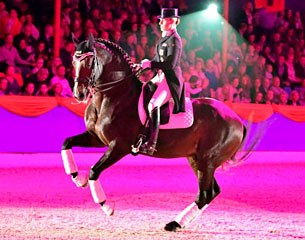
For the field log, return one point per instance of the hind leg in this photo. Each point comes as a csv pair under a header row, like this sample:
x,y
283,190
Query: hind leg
x,y
85,139
208,190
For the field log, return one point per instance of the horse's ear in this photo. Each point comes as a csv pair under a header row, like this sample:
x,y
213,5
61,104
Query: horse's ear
x,y
90,42
74,39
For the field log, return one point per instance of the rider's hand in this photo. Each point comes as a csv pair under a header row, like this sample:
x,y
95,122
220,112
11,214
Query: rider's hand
x,y
145,64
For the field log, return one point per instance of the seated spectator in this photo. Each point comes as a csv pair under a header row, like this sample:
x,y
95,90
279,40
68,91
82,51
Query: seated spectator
x,y
269,99
244,89
3,86
43,90
265,86
42,77
223,93
259,68
283,99
66,90
301,91
206,90
269,71
56,90
40,52
299,68
281,69
234,90
259,98
255,89
13,24
276,88
4,15
210,74
291,82
192,87
13,87
38,64
10,55
29,89
294,98
227,75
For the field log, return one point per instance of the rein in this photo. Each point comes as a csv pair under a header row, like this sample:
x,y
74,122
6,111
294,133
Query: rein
x,y
103,87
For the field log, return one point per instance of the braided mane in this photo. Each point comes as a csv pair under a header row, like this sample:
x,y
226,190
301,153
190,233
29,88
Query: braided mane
x,y
120,50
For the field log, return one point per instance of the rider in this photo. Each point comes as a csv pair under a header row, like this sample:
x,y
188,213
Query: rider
x,y
169,78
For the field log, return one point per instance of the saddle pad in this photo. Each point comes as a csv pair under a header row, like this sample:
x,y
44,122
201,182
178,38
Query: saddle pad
x,y
179,120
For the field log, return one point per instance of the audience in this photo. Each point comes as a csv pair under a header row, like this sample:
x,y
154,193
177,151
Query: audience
x,y
266,54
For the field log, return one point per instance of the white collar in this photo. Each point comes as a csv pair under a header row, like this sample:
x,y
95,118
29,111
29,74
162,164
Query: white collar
x,y
168,33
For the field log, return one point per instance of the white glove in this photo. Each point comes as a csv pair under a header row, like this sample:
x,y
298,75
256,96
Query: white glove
x,y
145,64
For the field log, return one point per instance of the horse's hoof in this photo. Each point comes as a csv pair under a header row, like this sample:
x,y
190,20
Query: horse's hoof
x,y
108,208
172,226
81,180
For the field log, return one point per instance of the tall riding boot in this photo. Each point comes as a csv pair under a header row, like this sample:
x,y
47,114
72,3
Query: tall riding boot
x,y
150,146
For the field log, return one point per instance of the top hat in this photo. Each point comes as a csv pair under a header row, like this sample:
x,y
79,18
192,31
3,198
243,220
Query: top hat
x,y
169,13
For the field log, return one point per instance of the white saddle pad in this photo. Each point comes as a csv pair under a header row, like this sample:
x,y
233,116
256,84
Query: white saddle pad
x,y
179,120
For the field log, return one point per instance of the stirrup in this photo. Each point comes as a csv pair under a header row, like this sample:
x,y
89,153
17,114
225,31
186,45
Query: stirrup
x,y
148,148
135,149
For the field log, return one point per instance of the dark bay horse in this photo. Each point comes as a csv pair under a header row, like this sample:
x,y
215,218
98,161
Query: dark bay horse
x,y
106,74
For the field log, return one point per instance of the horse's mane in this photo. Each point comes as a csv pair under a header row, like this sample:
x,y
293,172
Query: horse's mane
x,y
124,54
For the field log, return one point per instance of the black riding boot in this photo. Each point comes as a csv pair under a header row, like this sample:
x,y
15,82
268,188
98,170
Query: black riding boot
x,y
150,145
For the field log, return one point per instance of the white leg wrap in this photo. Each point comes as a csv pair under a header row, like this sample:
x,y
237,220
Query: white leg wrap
x,y
189,214
69,162
99,196
97,191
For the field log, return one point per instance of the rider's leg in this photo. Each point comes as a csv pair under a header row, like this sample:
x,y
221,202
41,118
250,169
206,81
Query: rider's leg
x,y
161,96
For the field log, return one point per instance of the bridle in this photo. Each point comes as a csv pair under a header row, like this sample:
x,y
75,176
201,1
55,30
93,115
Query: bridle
x,y
93,64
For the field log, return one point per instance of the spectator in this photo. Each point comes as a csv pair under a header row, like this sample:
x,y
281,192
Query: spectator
x,y
56,90
10,55
43,91
255,89
283,100
294,98
269,99
281,70
13,25
276,88
29,89
3,86
244,90
66,90
41,77
192,87
301,91
4,16
210,73
13,87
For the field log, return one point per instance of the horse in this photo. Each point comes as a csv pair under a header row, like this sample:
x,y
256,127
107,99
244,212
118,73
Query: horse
x,y
106,77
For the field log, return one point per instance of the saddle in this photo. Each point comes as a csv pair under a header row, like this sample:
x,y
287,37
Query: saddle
x,y
168,120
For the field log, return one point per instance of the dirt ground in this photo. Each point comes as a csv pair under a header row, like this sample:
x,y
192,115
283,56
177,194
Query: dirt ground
x,y
259,200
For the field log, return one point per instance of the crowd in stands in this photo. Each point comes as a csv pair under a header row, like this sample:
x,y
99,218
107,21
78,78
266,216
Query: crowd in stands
x,y
266,53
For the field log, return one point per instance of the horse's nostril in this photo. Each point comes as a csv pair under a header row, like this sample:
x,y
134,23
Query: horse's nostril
x,y
81,95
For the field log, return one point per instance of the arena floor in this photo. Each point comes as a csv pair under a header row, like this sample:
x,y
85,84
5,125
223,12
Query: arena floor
x,y
263,198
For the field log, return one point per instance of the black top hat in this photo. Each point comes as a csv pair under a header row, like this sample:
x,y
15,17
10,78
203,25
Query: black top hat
x,y
169,13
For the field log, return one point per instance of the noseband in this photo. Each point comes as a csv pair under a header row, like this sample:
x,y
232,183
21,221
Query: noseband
x,y
103,87
81,57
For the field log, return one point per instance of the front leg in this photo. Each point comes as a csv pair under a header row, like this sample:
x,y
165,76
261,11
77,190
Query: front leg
x,y
112,155
85,139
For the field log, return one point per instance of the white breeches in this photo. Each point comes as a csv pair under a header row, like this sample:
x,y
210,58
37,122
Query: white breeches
x,y
162,93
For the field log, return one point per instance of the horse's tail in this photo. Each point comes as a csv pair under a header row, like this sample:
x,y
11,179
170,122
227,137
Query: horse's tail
x,y
255,139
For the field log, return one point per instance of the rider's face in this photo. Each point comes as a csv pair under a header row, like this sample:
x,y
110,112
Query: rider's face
x,y
167,24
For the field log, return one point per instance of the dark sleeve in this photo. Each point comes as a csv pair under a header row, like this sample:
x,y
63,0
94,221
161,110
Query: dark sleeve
x,y
172,57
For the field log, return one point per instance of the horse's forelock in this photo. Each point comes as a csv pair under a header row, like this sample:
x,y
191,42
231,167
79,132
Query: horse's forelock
x,y
82,48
